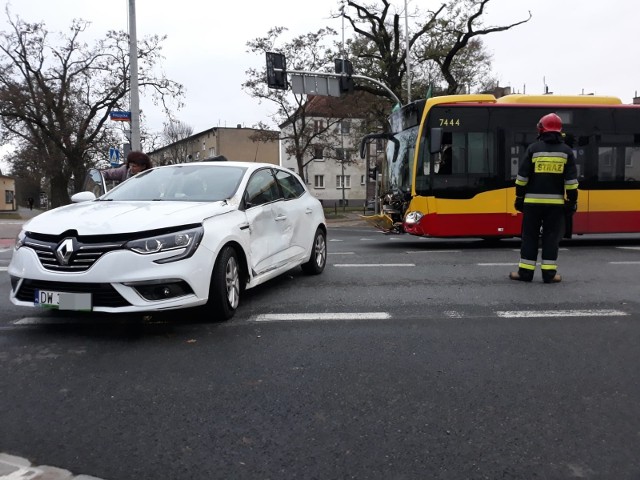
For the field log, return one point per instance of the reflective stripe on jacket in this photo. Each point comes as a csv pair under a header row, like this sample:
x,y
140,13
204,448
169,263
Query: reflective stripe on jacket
x,y
547,169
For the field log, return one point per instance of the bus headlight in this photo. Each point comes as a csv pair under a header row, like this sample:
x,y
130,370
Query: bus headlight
x,y
413,217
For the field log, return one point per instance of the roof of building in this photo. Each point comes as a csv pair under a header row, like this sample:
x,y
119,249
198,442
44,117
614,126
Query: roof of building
x,y
354,105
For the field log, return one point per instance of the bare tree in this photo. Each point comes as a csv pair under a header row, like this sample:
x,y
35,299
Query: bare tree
x,y
57,98
443,36
175,136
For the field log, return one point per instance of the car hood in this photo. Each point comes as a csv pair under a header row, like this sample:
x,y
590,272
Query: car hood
x,y
105,217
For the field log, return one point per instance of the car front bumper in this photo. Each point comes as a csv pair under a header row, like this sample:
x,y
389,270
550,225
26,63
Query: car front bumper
x,y
120,281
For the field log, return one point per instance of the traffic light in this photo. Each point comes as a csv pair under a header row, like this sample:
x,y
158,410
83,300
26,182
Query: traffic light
x,y
277,71
345,67
373,173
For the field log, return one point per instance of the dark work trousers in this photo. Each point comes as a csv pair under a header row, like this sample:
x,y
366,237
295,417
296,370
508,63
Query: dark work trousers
x,y
551,219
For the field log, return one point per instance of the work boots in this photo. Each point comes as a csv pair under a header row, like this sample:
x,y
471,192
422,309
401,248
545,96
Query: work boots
x,y
526,276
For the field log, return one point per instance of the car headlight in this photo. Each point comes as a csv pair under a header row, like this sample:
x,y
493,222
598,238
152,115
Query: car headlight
x,y
186,241
20,239
413,217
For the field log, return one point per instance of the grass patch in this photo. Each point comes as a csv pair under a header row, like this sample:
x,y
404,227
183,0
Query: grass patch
x,y
10,216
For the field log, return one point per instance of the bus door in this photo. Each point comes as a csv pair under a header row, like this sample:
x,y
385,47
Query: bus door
x,y
614,196
581,146
464,180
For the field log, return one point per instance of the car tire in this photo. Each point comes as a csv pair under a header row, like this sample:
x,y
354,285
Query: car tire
x,y
318,258
226,285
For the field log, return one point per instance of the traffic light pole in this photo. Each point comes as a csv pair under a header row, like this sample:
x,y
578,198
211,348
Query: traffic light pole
x,y
338,75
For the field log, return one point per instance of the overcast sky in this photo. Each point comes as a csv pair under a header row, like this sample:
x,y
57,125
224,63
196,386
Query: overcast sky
x,y
574,46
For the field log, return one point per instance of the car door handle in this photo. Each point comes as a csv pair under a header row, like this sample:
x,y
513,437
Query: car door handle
x,y
308,211
280,218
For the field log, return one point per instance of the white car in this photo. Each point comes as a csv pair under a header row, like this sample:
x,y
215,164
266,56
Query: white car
x,y
171,237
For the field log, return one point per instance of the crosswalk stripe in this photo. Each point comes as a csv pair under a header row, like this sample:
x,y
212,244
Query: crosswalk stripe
x,y
374,264
274,317
560,313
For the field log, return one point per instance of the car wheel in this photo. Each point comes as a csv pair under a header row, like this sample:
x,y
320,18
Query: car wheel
x,y
224,292
318,258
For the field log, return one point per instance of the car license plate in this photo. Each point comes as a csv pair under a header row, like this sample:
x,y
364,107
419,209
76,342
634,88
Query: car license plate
x,y
62,300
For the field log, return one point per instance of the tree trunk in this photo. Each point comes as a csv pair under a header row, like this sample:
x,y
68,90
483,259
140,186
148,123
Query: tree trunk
x,y
59,192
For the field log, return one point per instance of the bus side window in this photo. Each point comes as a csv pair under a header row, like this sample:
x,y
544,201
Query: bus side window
x,y
609,162
632,164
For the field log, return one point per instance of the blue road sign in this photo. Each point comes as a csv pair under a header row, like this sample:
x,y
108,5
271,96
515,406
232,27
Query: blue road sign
x,y
114,156
120,116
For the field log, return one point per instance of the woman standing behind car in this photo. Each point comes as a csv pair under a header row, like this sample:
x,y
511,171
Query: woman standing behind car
x,y
136,162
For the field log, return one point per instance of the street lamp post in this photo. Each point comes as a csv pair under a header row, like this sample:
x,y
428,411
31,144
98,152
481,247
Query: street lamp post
x,y
344,154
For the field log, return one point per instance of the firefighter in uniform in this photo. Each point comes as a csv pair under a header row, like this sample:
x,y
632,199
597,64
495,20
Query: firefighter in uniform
x,y
546,172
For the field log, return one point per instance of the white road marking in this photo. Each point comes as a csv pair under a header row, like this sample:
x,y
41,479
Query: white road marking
x,y
341,253
560,313
41,321
336,240
433,251
374,264
453,314
290,317
629,248
510,264
625,263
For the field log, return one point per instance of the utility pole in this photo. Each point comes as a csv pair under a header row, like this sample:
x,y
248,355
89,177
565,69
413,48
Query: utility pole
x,y
344,153
133,73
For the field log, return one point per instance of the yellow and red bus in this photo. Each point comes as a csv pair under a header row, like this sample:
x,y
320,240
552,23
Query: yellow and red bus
x,y
452,162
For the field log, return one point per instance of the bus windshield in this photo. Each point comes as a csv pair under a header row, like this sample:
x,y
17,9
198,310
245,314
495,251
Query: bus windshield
x,y
401,167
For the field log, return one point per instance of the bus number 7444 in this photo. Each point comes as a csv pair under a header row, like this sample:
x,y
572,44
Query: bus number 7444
x,y
449,122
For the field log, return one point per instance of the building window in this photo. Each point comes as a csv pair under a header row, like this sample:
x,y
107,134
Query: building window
x,y
212,152
204,146
362,179
343,181
318,153
380,145
345,126
342,154
8,196
631,154
318,181
318,126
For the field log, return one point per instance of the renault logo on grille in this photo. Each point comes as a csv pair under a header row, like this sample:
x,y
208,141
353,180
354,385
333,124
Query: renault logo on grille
x,y
65,250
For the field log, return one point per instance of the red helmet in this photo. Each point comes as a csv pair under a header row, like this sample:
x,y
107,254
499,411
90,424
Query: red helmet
x,y
550,123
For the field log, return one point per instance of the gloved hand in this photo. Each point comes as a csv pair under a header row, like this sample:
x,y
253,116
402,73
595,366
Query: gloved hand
x,y
519,204
570,207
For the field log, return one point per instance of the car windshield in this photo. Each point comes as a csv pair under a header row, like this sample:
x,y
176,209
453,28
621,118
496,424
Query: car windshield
x,y
201,183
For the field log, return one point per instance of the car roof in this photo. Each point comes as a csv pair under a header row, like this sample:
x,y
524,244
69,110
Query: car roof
x,y
248,165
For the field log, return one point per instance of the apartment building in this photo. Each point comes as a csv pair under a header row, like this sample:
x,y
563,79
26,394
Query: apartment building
x,y
236,144
333,169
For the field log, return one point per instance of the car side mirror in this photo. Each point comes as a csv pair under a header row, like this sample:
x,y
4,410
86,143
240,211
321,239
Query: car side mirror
x,y
83,197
